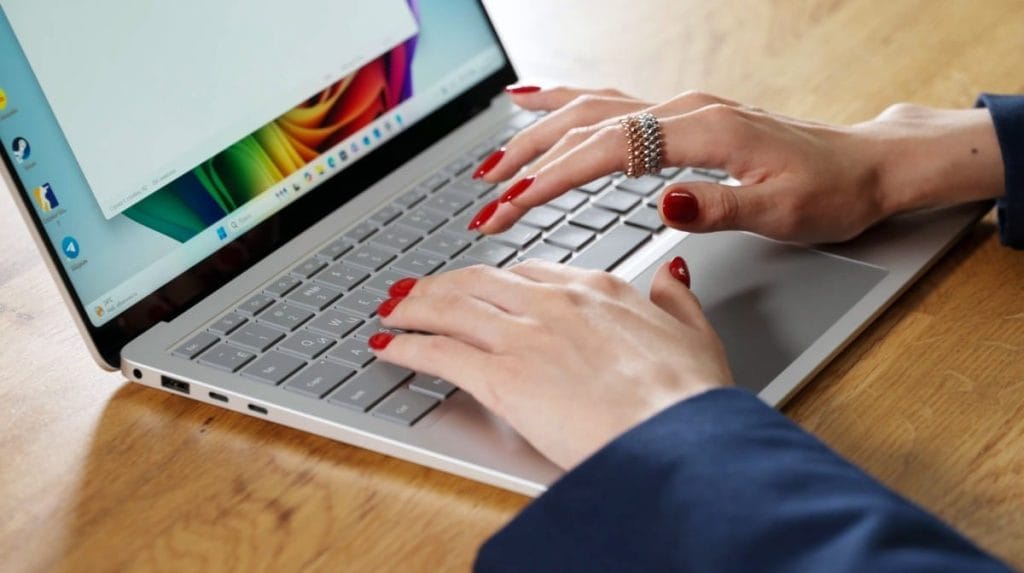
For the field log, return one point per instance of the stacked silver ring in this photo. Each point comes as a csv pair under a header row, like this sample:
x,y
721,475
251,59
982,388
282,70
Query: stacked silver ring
x,y
645,144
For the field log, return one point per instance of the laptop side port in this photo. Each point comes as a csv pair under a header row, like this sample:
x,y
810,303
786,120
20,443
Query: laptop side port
x,y
218,397
176,385
258,409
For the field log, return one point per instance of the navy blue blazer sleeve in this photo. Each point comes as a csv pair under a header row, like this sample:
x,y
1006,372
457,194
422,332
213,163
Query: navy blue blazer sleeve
x,y
1008,116
720,483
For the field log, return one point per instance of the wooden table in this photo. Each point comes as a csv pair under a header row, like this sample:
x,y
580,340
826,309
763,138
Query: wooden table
x,y
97,474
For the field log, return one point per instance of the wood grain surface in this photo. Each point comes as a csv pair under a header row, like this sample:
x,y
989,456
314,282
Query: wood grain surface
x,y
100,475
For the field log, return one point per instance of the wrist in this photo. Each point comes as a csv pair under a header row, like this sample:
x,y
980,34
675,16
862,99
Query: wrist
x,y
932,158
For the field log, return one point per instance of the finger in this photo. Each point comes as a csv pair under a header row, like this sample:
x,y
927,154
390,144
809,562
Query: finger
x,y
545,133
527,97
672,294
701,207
454,314
447,358
716,136
500,288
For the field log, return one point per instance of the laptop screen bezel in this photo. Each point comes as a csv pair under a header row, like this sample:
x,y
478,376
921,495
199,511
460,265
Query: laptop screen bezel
x,y
232,259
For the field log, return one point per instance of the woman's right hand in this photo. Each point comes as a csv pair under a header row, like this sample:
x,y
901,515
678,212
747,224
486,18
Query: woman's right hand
x,y
800,181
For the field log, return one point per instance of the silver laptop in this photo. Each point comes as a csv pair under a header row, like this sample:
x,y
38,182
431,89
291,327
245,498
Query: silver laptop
x,y
224,197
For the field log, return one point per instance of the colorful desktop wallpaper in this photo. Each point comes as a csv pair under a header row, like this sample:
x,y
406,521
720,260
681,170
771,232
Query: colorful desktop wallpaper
x,y
228,180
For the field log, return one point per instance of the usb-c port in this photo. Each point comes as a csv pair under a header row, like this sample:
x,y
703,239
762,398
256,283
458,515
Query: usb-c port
x,y
258,409
218,397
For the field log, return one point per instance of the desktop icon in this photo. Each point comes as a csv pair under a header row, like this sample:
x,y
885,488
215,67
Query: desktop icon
x,y
70,248
366,141
387,126
45,198
355,147
307,176
21,149
3,99
331,162
320,169
398,118
99,312
296,187
376,132
222,233
343,155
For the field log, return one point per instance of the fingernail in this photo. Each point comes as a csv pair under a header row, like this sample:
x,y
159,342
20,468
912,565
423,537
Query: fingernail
x,y
402,287
517,189
522,89
483,216
381,340
489,163
679,206
680,271
387,307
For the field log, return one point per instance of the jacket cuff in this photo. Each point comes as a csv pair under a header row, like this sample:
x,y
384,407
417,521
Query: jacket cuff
x,y
1008,117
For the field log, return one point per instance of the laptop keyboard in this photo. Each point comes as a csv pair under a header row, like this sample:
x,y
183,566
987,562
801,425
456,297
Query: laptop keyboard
x,y
306,330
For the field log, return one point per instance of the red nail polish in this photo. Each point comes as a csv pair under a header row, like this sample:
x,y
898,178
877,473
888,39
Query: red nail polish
x,y
381,340
522,89
490,163
483,216
387,307
679,206
517,189
680,271
402,287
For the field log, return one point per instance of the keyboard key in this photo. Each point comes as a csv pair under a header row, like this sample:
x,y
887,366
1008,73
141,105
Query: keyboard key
x,y
353,352
342,276
319,378
369,386
484,148
570,237
507,134
595,185
542,217
490,253
643,186
397,237
334,323
335,249
306,344
370,257
309,268
361,232
314,296
445,244
460,263
435,182
272,368
517,236
254,305
594,218
255,337
405,407
373,327
412,197
382,282
285,316
386,214
225,357
648,219
569,201
546,252
195,345
282,285
713,173
361,302
610,249
423,219
475,188
669,172
226,324
432,386
418,263
460,165
449,202
618,201
523,119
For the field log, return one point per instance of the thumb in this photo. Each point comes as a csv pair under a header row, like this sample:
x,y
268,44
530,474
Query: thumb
x,y
670,291
701,207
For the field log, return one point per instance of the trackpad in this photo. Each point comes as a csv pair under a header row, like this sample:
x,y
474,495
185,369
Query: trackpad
x,y
768,301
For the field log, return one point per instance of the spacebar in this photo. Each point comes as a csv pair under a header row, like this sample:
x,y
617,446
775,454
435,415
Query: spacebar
x,y
610,249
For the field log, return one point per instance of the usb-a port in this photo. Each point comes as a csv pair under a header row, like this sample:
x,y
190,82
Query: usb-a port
x,y
176,385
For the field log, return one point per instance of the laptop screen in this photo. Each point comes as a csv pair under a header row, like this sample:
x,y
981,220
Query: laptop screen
x,y
148,135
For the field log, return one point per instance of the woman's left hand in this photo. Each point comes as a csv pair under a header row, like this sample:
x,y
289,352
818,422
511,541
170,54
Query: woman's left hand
x,y
570,358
